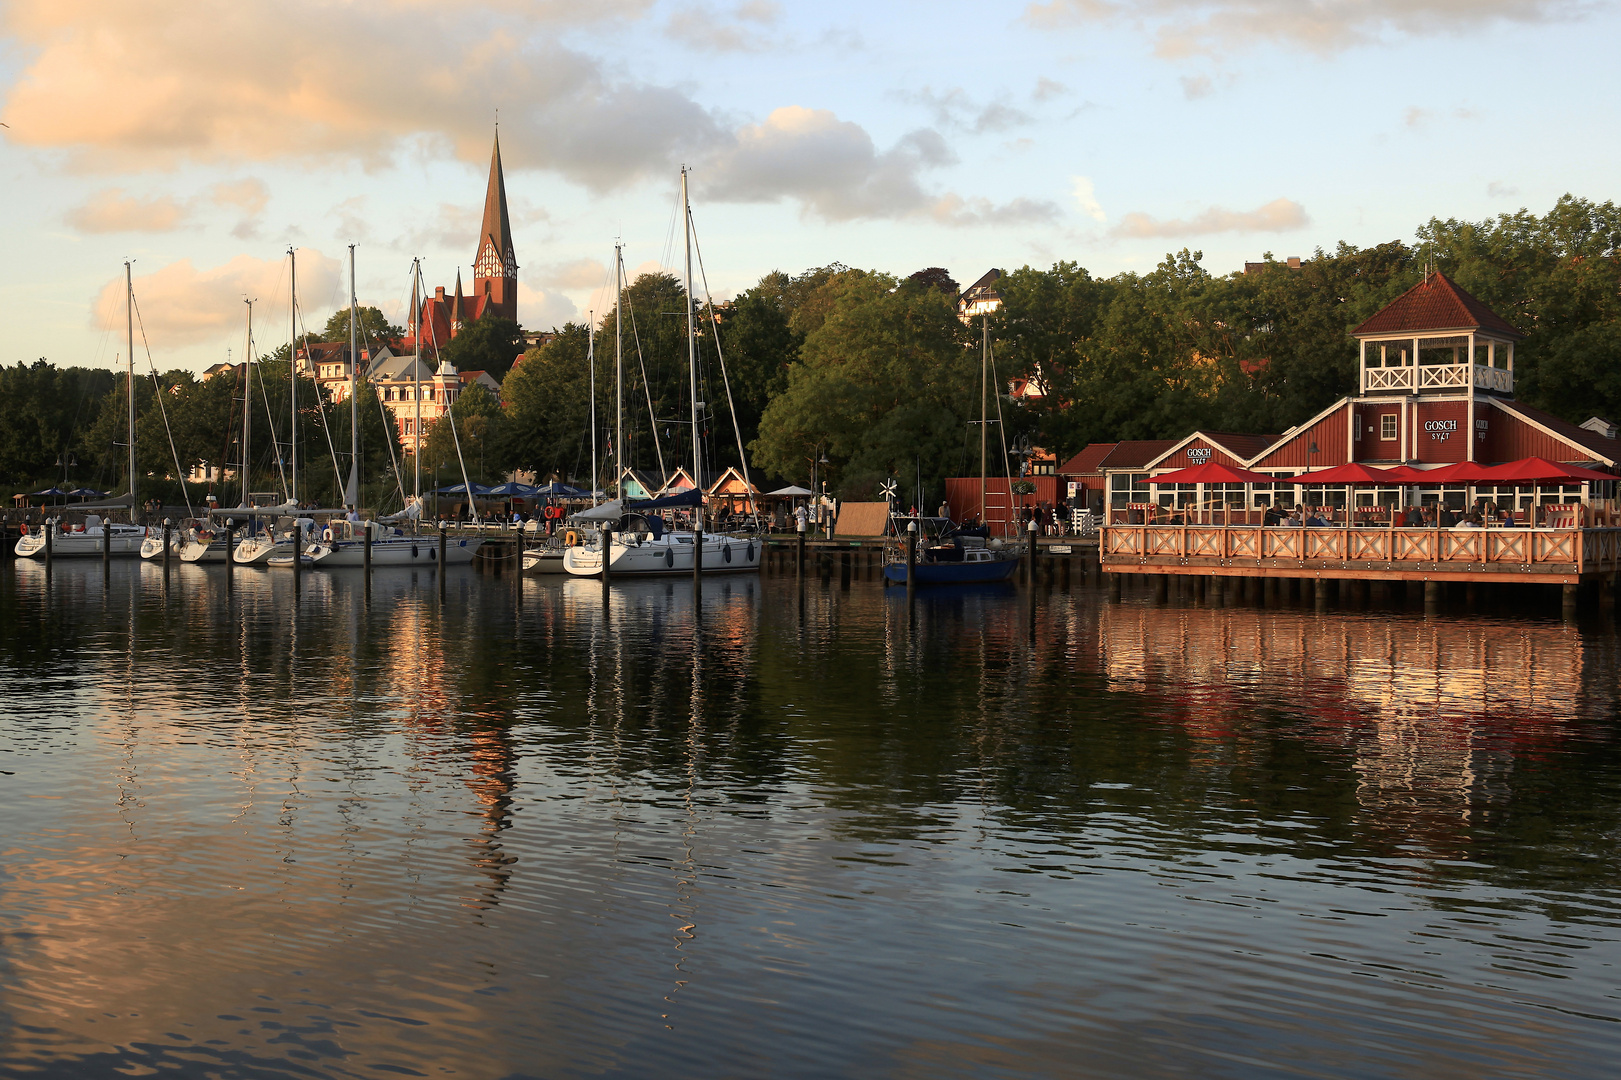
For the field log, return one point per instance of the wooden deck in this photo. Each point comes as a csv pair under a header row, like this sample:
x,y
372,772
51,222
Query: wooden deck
x,y
1529,556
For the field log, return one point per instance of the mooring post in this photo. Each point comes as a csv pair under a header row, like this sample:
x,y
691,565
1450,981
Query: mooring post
x,y
230,552
106,546
1571,595
697,546
166,526
1031,532
911,556
799,550
50,535
442,525
1114,588
606,543
365,555
1432,595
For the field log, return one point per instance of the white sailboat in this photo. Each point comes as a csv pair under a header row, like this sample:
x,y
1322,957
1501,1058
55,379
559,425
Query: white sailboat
x,y
640,546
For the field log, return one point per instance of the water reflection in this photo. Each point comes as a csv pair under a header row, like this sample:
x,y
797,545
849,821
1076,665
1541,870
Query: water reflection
x,y
553,828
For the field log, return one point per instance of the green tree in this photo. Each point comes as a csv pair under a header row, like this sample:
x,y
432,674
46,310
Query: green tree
x,y
49,411
477,420
488,344
374,328
884,384
546,408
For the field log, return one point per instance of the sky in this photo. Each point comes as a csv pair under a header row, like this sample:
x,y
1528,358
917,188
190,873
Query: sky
x,y
201,141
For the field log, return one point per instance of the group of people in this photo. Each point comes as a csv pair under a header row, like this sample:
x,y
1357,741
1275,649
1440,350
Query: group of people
x,y
1414,517
1052,519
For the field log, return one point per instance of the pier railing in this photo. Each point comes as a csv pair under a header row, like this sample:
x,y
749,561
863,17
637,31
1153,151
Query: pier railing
x,y
1542,555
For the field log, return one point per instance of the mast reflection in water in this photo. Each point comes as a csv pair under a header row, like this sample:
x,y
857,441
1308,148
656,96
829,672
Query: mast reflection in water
x,y
547,829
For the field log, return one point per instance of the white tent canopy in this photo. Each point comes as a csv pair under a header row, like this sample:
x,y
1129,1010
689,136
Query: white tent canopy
x,y
791,490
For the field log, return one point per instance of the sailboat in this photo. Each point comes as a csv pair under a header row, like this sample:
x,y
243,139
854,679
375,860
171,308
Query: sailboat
x,y
97,532
343,543
960,559
641,546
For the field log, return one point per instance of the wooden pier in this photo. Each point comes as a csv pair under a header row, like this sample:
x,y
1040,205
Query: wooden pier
x,y
1569,556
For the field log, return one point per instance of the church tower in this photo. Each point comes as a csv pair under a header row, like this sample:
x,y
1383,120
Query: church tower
x,y
495,267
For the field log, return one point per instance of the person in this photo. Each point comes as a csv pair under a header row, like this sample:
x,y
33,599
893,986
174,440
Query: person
x,y
1414,518
1470,521
1293,520
945,511
1271,517
800,518
353,515
1447,518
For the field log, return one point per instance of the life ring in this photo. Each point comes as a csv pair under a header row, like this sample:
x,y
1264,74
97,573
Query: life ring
x,y
25,528
554,512
571,539
326,534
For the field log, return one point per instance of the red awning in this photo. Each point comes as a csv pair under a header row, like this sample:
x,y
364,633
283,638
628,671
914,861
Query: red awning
x,y
1212,472
1352,473
1534,470
1459,472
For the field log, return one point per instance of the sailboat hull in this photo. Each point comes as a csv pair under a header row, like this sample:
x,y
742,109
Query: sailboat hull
x,y
669,554
393,551
126,540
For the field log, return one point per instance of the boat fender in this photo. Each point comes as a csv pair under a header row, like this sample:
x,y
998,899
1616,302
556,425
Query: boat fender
x,y
726,552
751,551
571,539
413,551
25,528
461,543
669,558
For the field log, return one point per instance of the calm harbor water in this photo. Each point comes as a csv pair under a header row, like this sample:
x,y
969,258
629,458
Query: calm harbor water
x,y
524,832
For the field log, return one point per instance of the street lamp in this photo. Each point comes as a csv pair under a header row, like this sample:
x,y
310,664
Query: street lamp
x,y
818,458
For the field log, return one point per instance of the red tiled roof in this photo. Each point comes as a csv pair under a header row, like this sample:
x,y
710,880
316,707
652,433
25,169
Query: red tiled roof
x,y
1436,303
1135,454
1086,463
1606,449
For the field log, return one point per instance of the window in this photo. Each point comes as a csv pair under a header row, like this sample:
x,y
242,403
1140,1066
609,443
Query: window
x,y
1387,426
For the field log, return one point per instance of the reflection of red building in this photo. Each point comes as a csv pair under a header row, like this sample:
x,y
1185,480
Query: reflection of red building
x,y
495,273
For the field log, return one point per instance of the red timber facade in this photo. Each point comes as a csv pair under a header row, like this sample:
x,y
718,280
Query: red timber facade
x,y
1437,388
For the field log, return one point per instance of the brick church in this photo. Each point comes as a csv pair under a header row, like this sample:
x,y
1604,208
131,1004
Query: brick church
x,y
495,274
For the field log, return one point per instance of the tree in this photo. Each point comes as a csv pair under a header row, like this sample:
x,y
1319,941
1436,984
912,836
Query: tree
x,y
937,277
545,407
374,328
476,417
490,344
884,384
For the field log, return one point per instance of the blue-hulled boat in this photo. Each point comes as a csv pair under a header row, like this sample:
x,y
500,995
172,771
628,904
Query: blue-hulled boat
x,y
976,567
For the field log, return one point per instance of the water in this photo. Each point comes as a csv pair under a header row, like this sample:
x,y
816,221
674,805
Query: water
x,y
522,835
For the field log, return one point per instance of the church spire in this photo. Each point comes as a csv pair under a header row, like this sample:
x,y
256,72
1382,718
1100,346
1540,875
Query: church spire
x,y
495,267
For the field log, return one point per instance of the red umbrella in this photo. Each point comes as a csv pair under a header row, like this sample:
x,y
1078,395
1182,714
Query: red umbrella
x,y
1459,472
1212,472
1353,473
1405,474
1533,469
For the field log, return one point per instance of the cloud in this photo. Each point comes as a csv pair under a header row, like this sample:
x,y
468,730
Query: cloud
x,y
149,84
1498,190
249,196
110,210
1081,186
742,29
1279,215
955,110
181,305
1213,27
1047,89
1195,87
956,211
539,308
828,164
577,274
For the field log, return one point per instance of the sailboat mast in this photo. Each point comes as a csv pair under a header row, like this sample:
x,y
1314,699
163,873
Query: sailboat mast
x,y
354,407
247,405
292,375
619,374
129,334
692,344
984,379
416,370
591,362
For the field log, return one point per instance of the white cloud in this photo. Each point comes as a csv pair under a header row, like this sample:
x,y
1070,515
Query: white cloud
x,y
955,110
1213,27
830,165
1047,89
957,211
576,274
181,305
743,28
1279,215
1085,198
249,196
1195,87
539,309
110,210
1499,190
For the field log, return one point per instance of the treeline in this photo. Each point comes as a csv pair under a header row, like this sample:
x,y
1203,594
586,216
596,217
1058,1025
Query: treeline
x,y
876,373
